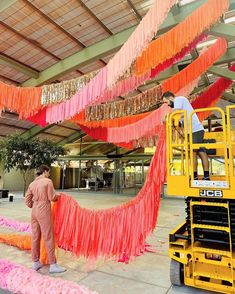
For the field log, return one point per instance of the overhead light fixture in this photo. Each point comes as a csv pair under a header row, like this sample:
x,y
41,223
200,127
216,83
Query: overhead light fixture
x,y
184,2
230,19
206,43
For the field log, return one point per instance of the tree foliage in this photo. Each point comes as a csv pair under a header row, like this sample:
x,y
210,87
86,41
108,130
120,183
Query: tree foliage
x,y
24,155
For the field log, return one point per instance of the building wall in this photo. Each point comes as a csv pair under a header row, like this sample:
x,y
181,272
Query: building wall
x,y
13,181
56,177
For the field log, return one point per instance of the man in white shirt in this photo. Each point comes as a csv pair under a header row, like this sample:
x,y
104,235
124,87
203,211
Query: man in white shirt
x,y
182,103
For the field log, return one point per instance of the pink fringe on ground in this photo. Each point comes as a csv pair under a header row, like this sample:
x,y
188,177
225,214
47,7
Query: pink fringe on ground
x,y
21,280
15,225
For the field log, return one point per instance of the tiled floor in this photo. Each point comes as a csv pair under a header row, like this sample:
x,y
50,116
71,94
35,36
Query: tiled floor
x,y
148,274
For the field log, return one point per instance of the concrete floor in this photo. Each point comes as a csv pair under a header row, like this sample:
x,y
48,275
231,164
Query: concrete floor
x,y
148,274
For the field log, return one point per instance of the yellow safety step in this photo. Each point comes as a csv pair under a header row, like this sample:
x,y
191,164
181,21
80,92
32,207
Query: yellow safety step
x,y
209,227
192,203
213,272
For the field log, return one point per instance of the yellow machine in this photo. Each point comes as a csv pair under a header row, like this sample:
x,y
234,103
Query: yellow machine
x,y
202,249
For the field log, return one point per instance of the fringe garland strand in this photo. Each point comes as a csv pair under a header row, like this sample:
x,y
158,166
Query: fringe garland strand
x,y
118,230
145,31
169,43
19,279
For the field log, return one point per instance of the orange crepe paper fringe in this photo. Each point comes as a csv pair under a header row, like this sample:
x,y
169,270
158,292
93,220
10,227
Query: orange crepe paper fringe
x,y
24,242
116,231
172,42
25,101
117,122
196,68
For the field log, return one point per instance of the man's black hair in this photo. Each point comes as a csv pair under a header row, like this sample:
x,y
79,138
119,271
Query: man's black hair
x,y
167,95
41,169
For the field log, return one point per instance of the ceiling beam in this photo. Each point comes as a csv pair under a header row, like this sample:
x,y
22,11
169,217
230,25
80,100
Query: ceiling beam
x,y
34,43
75,136
136,12
229,56
90,147
223,30
104,47
19,66
43,15
229,97
100,157
51,21
222,72
12,126
34,131
94,17
9,80
81,58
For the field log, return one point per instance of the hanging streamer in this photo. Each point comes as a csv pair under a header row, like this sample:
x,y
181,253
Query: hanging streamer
x,y
147,28
115,231
210,97
169,43
57,112
146,126
196,68
25,101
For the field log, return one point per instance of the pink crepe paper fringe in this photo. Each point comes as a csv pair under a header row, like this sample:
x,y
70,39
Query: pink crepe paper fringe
x,y
59,112
138,40
21,280
15,225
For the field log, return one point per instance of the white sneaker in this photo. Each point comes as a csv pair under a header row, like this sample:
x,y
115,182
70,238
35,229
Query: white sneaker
x,y
55,269
37,265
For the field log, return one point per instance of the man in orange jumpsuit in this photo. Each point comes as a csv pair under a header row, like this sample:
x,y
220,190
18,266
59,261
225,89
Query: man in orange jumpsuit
x,y
38,197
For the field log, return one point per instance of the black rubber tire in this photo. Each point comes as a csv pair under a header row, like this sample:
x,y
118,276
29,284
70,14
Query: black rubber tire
x,y
176,273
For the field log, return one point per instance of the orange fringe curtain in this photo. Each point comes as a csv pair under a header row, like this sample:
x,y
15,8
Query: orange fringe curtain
x,y
196,68
117,122
116,231
180,36
25,101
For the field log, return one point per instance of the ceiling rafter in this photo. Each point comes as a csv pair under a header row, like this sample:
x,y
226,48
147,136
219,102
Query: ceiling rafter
x,y
229,97
104,47
18,65
73,137
13,126
134,9
90,147
42,14
34,131
54,135
34,43
222,72
67,127
94,17
223,30
58,27
9,80
81,58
